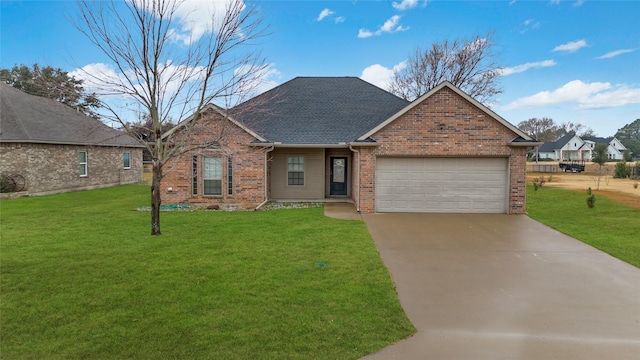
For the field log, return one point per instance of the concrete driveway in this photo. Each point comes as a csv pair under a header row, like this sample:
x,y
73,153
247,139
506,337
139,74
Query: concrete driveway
x,y
505,287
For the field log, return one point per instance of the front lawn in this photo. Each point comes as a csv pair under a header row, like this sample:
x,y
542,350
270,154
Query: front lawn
x,y
608,226
81,278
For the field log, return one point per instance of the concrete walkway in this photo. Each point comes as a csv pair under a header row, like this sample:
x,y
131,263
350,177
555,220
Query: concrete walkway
x,y
341,210
505,287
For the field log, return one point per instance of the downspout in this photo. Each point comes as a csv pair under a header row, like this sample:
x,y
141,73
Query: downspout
x,y
358,177
266,180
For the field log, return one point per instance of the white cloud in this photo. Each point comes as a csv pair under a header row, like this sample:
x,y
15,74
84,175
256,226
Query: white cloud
x,y
261,81
364,33
524,67
380,75
389,26
609,55
198,17
405,4
105,79
324,13
586,95
578,3
528,25
340,19
571,46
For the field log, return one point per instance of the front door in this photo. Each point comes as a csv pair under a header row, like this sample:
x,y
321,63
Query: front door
x,y
338,181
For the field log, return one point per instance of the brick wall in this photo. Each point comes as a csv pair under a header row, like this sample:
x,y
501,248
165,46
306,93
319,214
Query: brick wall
x,y
445,124
50,168
248,167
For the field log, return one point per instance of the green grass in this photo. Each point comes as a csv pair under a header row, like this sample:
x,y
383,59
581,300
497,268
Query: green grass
x,y
609,226
82,278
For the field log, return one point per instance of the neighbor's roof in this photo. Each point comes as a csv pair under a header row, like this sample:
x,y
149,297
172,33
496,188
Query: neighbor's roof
x,y
598,140
318,110
28,118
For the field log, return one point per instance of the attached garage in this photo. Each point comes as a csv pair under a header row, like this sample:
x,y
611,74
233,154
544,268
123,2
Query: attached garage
x,y
445,185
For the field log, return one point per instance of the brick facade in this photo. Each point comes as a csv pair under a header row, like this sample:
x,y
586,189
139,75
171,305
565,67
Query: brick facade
x,y
53,168
445,125
248,184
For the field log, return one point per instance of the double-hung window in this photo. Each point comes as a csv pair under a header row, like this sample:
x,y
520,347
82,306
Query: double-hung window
x,y
295,170
126,158
84,170
212,176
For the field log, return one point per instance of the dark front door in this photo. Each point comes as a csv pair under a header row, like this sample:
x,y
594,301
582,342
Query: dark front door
x,y
338,176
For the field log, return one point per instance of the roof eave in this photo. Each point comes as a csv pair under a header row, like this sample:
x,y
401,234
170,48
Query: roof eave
x,y
314,146
53,142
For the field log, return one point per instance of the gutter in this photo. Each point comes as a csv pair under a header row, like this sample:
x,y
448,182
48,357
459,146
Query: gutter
x,y
358,177
312,146
266,180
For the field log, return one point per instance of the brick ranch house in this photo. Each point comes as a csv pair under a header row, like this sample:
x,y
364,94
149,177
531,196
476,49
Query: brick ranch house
x,y
341,138
57,149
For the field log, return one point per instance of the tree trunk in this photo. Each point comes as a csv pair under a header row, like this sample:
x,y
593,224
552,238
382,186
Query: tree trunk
x,y
155,198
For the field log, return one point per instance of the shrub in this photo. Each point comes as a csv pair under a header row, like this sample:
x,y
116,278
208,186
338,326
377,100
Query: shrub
x,y
538,182
591,199
621,171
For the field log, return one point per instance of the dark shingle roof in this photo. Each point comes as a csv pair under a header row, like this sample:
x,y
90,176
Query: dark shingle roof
x,y
598,140
33,119
318,110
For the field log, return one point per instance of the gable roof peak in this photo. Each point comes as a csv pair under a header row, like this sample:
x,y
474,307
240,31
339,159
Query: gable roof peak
x,y
461,93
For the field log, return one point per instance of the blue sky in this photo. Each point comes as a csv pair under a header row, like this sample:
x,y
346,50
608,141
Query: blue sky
x,y
576,61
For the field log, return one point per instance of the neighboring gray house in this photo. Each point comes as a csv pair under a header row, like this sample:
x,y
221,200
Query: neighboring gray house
x,y
573,147
57,149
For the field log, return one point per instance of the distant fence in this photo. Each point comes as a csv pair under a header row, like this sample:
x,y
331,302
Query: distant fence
x,y
544,168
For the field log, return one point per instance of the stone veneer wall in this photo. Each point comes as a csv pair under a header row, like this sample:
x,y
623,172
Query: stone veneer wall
x,y
52,168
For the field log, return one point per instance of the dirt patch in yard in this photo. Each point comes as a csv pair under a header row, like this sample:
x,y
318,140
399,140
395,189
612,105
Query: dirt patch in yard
x,y
618,190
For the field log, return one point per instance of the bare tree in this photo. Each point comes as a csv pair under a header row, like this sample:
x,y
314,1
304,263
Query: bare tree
x,y
170,69
470,65
569,128
543,129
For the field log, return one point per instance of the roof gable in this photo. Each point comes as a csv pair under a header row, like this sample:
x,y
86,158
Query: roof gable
x,y
33,119
223,113
455,89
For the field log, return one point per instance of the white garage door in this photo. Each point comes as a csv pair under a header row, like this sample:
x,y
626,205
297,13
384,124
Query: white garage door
x,y
447,185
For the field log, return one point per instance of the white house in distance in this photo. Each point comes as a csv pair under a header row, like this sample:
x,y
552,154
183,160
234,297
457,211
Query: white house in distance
x,y
573,147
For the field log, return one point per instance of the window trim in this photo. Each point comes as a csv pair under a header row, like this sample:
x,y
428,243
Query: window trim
x,y
126,159
302,157
84,165
229,176
194,175
205,179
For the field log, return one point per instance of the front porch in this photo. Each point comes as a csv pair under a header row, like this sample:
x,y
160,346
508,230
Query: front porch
x,y
311,174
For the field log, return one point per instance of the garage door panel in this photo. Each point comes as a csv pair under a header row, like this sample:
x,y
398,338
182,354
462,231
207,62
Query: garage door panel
x,y
441,185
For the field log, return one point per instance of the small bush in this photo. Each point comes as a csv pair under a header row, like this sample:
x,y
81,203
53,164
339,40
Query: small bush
x,y
591,199
635,185
622,171
538,182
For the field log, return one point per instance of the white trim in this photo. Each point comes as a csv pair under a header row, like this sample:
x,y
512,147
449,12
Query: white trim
x,y
422,98
123,160
85,163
